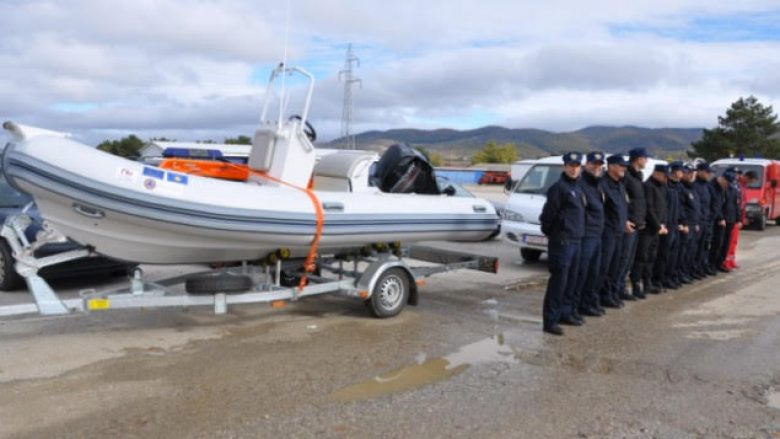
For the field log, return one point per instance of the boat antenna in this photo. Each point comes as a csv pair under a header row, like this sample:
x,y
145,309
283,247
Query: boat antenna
x,y
283,94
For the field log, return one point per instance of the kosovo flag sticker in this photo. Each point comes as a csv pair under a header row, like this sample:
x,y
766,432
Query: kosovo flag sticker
x,y
177,178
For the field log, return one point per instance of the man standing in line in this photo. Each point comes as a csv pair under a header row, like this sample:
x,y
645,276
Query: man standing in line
x,y
704,193
637,210
563,222
688,244
732,215
615,225
669,244
749,179
647,250
586,299
718,187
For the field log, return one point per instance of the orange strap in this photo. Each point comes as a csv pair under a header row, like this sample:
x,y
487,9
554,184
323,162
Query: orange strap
x,y
308,265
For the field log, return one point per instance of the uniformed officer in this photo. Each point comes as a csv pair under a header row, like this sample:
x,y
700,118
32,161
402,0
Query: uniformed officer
x,y
615,224
637,210
689,241
718,187
647,251
586,296
563,222
669,243
704,193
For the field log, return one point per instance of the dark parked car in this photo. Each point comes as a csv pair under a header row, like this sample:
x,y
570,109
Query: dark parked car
x,y
13,202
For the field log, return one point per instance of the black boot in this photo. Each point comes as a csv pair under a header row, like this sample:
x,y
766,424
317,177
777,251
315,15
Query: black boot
x,y
636,290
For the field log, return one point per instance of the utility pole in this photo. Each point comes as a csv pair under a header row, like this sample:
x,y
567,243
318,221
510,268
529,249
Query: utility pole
x,y
347,76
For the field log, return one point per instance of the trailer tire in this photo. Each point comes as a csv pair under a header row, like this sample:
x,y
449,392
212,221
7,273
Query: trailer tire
x,y
218,283
530,254
390,293
9,278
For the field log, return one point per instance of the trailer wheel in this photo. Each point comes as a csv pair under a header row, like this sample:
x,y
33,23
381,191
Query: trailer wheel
x,y
218,283
9,278
390,294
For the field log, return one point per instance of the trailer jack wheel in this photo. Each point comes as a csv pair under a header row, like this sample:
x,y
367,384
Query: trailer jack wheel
x,y
390,294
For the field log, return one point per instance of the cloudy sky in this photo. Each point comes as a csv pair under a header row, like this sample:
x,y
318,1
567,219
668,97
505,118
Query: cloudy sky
x,y
193,70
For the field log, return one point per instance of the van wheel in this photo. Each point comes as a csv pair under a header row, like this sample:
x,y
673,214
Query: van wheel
x,y
9,278
390,293
761,225
530,254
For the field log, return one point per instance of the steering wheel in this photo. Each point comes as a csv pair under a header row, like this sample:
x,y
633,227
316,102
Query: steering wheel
x,y
309,130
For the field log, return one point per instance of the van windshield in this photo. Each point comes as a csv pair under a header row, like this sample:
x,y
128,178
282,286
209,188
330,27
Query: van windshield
x,y
758,169
539,178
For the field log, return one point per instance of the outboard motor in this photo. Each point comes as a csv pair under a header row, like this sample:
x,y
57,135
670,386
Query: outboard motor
x,y
404,170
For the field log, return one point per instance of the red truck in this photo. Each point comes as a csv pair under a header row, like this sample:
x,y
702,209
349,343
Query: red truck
x,y
762,199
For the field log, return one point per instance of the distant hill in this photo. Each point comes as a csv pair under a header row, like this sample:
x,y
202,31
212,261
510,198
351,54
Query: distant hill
x,y
457,144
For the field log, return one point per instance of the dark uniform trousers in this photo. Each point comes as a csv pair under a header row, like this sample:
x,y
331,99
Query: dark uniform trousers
x,y
585,293
690,244
724,250
674,253
611,252
630,241
667,244
703,247
646,253
716,247
563,260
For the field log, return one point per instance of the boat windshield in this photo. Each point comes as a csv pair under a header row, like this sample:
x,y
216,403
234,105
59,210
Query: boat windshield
x,y
539,179
758,169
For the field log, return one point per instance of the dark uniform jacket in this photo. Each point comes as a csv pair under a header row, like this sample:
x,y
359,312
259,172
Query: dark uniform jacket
x,y
563,214
594,212
637,206
731,210
717,200
691,204
655,194
704,194
615,205
674,215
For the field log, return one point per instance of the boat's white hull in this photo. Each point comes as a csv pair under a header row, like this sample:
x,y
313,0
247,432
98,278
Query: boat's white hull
x,y
128,211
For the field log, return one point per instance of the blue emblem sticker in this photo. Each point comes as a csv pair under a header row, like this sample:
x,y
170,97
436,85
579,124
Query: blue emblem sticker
x,y
177,178
154,173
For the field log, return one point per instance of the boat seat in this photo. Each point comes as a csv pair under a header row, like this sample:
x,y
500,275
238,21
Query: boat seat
x,y
262,153
334,172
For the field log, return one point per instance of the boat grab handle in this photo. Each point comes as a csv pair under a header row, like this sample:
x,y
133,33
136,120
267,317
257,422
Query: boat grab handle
x,y
88,211
479,209
329,206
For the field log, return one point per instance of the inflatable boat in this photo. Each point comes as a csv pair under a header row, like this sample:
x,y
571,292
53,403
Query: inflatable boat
x,y
132,211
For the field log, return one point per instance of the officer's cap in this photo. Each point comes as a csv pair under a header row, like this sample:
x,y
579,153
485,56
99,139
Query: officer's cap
x,y
676,166
661,168
572,158
637,153
703,166
730,175
688,168
616,159
595,157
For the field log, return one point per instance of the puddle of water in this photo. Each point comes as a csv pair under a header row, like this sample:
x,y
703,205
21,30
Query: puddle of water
x,y
427,372
773,399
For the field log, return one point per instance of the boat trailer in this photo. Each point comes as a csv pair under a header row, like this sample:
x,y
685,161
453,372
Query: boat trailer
x,y
378,275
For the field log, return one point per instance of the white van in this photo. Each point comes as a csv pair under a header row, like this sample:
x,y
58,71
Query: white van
x,y
520,219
